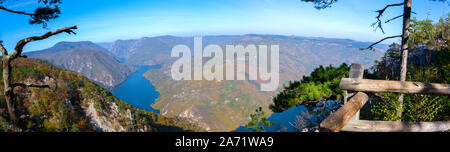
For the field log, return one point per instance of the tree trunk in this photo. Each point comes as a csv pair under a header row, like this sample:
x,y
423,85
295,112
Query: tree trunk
x,y
8,90
405,37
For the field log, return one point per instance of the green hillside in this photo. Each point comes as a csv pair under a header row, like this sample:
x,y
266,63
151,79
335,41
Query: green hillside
x,y
86,58
74,103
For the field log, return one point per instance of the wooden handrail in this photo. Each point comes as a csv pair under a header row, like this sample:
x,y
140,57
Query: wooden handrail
x,y
337,120
342,118
407,87
395,126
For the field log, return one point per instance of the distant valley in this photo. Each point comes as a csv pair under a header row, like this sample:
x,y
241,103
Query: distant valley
x,y
225,105
214,105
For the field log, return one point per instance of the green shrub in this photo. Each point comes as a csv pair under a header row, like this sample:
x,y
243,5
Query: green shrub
x,y
321,85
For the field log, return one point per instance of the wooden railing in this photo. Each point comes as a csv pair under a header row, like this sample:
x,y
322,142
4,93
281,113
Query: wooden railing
x,y
347,117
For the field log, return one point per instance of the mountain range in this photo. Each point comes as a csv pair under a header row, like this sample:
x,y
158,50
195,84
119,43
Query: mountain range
x,y
225,105
214,105
87,58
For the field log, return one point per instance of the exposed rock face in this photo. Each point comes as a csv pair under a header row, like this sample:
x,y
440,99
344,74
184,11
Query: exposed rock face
x,y
122,48
88,59
105,122
193,115
146,51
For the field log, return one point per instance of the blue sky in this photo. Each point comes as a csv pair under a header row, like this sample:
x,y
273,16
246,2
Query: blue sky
x,y
109,20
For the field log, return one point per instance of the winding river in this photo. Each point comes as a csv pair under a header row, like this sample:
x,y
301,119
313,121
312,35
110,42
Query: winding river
x,y
138,91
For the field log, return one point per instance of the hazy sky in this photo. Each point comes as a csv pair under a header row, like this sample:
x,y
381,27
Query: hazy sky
x,y
109,20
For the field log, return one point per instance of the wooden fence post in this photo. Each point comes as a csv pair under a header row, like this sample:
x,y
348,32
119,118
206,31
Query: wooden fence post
x,y
356,74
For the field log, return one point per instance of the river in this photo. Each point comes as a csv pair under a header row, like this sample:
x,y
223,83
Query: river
x,y
138,91
283,121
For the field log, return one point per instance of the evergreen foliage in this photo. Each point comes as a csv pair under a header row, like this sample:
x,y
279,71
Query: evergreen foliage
x,y
430,64
321,85
258,121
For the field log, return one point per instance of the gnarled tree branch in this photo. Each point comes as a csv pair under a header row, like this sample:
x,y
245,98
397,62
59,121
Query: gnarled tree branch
x,y
32,16
19,46
371,46
380,13
17,12
42,14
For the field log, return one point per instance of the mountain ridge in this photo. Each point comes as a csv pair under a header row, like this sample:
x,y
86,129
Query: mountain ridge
x,y
225,105
87,58
229,105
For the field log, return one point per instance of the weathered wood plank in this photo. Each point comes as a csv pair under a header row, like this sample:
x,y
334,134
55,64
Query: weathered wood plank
x,y
336,121
368,85
356,73
396,126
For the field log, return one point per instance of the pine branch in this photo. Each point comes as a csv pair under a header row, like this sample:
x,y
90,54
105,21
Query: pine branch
x,y
19,46
17,12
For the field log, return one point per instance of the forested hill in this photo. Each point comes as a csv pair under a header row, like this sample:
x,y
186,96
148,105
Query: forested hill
x,y
86,58
74,103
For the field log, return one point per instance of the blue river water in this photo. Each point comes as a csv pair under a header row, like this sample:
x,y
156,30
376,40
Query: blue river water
x,y
282,121
138,91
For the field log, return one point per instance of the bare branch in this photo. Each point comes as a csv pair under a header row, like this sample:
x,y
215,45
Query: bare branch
x,y
17,12
393,18
2,49
30,85
19,46
380,13
371,46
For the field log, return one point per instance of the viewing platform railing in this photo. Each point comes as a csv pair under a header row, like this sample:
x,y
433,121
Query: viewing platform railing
x,y
346,118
